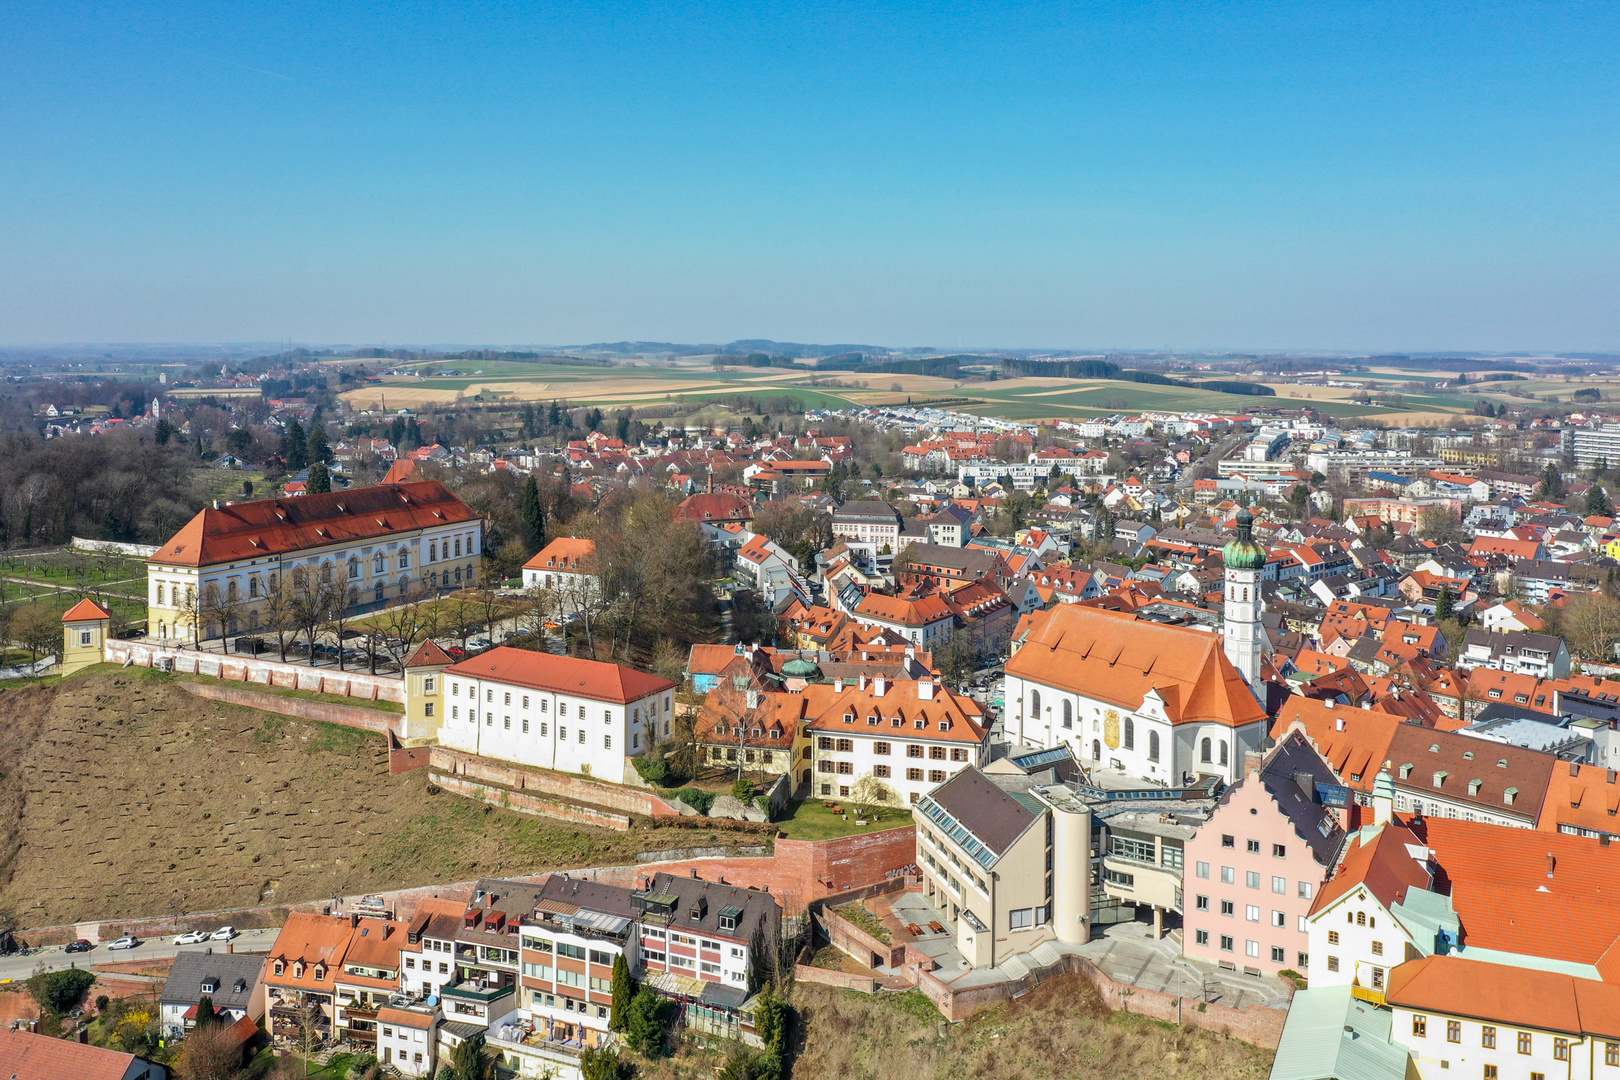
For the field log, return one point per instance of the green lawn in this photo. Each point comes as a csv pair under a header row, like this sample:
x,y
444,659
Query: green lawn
x,y
809,820
77,569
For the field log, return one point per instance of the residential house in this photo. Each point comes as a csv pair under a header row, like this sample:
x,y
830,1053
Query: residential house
x,y
909,737
1253,870
571,939
868,527
568,563
721,937
233,983
1539,655
45,1057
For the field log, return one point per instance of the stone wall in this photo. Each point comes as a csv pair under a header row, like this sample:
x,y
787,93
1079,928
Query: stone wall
x,y
248,669
825,867
1259,1026
402,759
627,800
354,716
864,984
858,943
527,803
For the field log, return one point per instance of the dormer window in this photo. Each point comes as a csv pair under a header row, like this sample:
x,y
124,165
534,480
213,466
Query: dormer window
x,y
298,970
1509,795
1406,770
209,986
320,972
1440,778
920,723
944,725
895,721
1474,786
849,718
281,967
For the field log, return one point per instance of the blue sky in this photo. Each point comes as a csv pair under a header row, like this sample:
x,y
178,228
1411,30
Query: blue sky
x,y
1366,176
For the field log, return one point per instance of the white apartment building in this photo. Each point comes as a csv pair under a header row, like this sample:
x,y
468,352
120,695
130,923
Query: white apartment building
x,y
566,564
554,712
868,526
910,736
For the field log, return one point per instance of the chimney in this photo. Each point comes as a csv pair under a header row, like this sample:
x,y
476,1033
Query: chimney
x,y
1574,768
354,918
1552,863
84,1034
216,504
879,685
863,682
925,689
838,688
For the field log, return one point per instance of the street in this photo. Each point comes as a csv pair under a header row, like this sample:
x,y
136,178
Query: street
x,y
54,958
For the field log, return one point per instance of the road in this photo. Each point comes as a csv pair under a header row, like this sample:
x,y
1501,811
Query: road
x,y
53,958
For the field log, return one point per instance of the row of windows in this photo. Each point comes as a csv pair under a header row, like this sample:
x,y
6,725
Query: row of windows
x,y
844,768
1525,1043
883,749
562,729
1251,879
1278,851
1279,955
1207,749
1251,912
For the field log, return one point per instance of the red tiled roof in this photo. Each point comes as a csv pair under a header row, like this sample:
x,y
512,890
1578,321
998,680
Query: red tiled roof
x,y
1513,996
428,654
253,530
563,553
400,471
1383,864
1114,657
28,1056
561,674
85,610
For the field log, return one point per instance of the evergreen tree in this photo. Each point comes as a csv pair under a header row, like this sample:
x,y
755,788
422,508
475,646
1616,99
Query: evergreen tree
x,y
534,518
1552,482
320,481
645,1021
396,431
317,449
205,1011
622,992
1443,605
295,445
1597,502
554,415
621,427
163,432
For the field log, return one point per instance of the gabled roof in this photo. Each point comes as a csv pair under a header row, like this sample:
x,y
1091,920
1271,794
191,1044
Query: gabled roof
x,y
428,654
27,1056
1512,996
1387,861
985,808
1114,657
561,675
86,610
566,554
253,530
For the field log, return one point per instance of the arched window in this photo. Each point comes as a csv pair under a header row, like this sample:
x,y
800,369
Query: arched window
x,y
377,563
231,592
253,620
458,575
433,552
379,592
211,592
1130,734
1361,918
433,579
253,588
270,581
160,595
1035,703
404,584
404,558
1153,746
298,577
354,567
1203,754
163,629
1223,751
326,572
1096,750
354,596
458,547
1068,714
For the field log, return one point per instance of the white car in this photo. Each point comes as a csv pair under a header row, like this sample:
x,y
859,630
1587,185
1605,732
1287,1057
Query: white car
x,y
192,937
128,941
224,933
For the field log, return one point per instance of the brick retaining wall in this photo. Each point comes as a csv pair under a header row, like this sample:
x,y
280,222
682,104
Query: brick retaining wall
x,y
402,759
859,944
627,800
849,862
527,803
257,670
353,716
865,984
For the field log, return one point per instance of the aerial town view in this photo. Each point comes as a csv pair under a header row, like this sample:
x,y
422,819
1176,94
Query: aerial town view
x,y
1023,542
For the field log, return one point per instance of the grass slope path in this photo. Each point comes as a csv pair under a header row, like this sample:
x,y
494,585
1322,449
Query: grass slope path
x,y
122,796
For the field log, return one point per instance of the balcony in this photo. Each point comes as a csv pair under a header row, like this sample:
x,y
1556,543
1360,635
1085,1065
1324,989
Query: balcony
x,y
482,991
361,1011
545,1034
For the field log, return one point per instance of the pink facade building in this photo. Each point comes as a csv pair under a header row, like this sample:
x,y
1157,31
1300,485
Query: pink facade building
x,y
1253,869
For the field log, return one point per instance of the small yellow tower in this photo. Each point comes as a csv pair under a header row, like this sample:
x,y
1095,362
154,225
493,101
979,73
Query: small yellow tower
x,y
84,632
424,693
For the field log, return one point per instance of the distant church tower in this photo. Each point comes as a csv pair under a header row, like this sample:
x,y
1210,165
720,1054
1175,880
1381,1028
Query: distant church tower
x,y
1245,637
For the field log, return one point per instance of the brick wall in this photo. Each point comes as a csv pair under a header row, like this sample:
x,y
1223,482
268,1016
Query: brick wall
x,y
402,759
839,865
865,984
353,716
628,800
857,942
257,670
527,803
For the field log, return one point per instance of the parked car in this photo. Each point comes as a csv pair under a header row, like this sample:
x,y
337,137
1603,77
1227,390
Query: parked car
x,y
224,933
191,937
482,643
128,941
81,945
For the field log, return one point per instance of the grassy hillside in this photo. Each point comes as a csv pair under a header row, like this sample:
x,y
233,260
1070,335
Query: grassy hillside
x,y
121,795
1059,1031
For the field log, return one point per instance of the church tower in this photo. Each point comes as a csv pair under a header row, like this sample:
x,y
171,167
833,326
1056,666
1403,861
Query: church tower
x,y
1245,638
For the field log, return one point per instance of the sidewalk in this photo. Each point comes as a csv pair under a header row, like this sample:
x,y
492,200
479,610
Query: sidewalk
x,y
1128,953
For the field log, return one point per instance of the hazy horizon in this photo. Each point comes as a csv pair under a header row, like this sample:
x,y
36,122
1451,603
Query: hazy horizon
x,y
1303,178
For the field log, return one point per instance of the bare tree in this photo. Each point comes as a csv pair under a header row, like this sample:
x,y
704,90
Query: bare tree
x,y
408,622
870,794
210,1053
312,600
735,717
277,611
339,613
221,608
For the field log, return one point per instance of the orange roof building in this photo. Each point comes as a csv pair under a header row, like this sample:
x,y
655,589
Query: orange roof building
x,y
377,543
568,562
29,1056
1160,702
554,712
